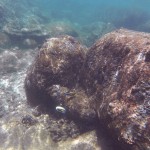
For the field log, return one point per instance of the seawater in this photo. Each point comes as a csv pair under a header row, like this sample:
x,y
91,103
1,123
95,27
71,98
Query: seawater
x,y
129,14
87,20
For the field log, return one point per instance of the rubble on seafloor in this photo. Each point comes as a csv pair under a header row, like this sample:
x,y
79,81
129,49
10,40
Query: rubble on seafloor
x,y
107,84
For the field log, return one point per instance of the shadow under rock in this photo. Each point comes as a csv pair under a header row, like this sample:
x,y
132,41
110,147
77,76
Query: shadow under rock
x,y
107,141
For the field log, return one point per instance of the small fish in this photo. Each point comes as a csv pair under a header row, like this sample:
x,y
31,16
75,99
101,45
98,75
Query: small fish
x,y
61,109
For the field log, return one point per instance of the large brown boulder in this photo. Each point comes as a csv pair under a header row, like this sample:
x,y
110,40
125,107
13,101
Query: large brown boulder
x,y
118,72
53,79
111,80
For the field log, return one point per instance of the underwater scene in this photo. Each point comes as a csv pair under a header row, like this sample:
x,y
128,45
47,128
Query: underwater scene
x,y
74,75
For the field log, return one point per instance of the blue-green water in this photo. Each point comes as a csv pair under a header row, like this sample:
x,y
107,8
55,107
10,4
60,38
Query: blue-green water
x,y
87,20
24,26
129,13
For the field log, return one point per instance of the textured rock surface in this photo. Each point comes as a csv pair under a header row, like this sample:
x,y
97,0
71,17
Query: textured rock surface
x,y
118,72
112,79
55,76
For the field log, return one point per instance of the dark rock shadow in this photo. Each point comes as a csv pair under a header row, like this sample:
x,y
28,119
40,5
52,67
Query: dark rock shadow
x,y
108,141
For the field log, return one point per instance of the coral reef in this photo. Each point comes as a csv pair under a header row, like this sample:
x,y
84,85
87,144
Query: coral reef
x,y
110,80
26,37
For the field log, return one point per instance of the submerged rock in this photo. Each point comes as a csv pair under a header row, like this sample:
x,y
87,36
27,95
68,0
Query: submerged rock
x,y
117,71
54,78
26,37
112,79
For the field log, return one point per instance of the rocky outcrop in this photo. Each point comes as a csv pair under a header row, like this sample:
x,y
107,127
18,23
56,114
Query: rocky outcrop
x,y
111,80
117,72
54,78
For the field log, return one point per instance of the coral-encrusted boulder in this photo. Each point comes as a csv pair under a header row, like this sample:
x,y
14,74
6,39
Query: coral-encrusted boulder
x,y
117,72
54,78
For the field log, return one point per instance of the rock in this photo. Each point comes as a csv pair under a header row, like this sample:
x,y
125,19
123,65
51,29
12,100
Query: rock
x,y
117,72
53,78
62,129
22,127
20,22
111,80
75,101
27,32
25,37
59,60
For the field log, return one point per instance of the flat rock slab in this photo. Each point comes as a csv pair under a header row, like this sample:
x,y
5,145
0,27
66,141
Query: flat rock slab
x,y
110,80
